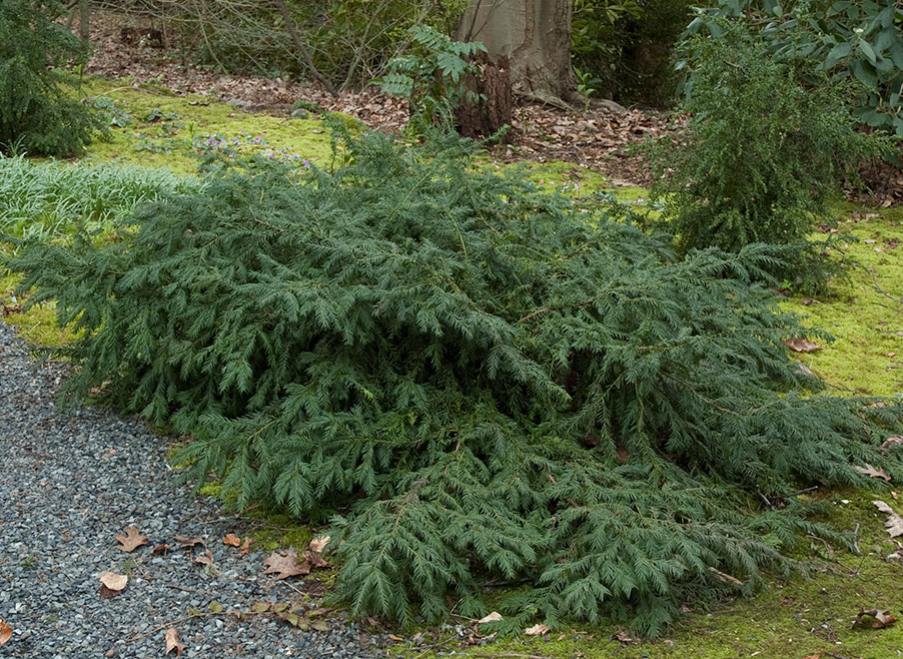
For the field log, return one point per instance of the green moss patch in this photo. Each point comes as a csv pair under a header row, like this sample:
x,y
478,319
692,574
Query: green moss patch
x,y
160,130
864,314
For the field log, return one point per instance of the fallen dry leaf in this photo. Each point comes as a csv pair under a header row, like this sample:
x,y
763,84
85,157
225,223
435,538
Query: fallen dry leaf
x,y
111,584
874,618
870,471
624,637
189,542
890,442
798,344
315,559
495,616
205,559
319,544
131,540
6,632
160,549
232,540
395,638
173,642
894,524
285,565
537,630
245,547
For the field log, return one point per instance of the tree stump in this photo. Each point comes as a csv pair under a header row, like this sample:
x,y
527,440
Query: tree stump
x,y
484,118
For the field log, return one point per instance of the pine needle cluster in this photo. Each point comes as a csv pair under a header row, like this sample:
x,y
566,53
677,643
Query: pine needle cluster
x,y
477,380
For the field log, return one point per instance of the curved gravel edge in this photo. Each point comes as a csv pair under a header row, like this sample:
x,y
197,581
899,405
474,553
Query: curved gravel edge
x,y
68,483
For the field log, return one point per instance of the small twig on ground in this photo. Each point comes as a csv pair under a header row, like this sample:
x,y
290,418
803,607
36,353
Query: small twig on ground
x,y
856,540
187,590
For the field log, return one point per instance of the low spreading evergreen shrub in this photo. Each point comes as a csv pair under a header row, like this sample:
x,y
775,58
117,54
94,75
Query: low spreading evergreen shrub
x,y
486,382
37,112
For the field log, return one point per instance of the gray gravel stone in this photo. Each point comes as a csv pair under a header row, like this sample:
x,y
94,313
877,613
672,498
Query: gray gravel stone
x,y
68,482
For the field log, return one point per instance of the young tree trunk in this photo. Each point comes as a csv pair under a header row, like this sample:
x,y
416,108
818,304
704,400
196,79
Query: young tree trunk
x,y
84,20
535,36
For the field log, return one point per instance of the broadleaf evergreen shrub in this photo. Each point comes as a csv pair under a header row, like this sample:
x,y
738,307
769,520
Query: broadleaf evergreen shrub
x,y
858,40
765,151
37,111
491,382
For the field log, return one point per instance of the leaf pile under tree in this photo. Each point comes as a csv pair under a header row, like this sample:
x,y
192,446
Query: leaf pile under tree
x,y
494,384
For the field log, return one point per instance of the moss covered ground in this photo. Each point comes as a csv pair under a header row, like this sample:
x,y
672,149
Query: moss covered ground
x,y
803,616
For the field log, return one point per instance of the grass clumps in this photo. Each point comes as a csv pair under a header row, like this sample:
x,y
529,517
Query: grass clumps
x,y
45,200
492,382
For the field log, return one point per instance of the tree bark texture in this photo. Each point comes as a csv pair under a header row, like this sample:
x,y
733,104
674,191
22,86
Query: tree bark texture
x,y
484,118
535,36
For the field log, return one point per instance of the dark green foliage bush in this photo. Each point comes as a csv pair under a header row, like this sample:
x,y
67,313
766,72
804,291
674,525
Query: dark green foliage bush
x,y
766,148
862,40
490,383
37,113
628,44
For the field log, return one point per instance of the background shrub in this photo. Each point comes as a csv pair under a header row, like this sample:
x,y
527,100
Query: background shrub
x,y
860,40
37,112
495,383
628,46
768,143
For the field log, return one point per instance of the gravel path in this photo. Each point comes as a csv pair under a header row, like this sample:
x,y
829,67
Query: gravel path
x,y
68,483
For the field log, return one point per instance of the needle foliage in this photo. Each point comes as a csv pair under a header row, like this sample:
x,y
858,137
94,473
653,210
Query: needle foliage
x,y
487,382
37,111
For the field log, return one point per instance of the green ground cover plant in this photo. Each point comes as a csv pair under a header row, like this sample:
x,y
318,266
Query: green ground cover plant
x,y
489,381
50,200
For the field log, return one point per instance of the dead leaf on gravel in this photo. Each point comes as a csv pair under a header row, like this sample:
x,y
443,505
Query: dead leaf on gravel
x,y
205,559
173,642
894,524
285,565
112,584
798,344
6,632
874,618
870,471
232,540
131,540
189,542
495,616
537,630
246,547
160,549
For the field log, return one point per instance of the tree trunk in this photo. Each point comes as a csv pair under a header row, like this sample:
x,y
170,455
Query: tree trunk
x,y
484,118
535,36
84,20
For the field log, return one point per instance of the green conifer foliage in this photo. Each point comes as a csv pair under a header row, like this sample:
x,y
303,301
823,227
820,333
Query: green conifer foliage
x,y
37,113
487,381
